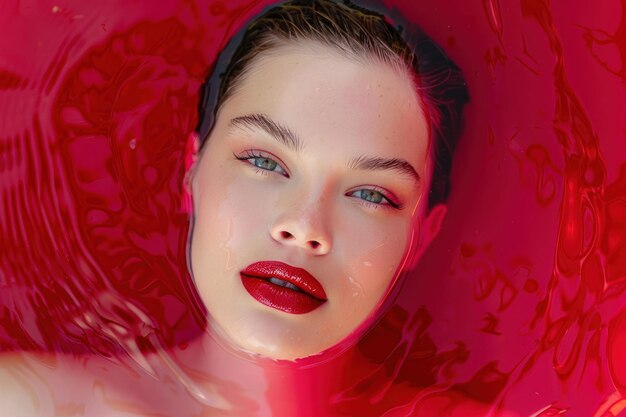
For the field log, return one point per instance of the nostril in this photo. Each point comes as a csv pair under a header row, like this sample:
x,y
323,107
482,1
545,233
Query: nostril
x,y
286,235
314,244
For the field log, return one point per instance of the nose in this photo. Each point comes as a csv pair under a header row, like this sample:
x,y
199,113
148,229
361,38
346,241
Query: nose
x,y
304,227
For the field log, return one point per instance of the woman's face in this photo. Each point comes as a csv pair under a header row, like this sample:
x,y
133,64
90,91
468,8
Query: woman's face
x,y
304,198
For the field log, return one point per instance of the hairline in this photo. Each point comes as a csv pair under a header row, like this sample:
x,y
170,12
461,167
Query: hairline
x,y
276,45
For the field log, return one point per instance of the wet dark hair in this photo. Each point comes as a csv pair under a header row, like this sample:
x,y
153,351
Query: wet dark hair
x,y
357,33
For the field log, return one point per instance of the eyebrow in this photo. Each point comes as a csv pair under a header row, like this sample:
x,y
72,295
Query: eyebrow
x,y
288,138
272,128
370,163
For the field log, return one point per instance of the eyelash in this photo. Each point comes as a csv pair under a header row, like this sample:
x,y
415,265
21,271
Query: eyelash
x,y
390,203
253,154
248,155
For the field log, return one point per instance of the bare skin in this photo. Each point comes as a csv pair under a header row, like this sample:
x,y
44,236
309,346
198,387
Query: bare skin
x,y
314,207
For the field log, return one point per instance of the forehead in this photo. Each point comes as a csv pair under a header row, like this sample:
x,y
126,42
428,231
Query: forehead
x,y
326,97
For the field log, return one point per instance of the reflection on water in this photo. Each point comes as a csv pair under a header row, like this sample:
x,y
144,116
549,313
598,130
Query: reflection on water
x,y
519,308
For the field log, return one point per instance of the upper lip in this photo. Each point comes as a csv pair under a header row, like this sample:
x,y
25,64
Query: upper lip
x,y
296,276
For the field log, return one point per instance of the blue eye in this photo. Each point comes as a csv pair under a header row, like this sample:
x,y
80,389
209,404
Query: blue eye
x,y
261,161
265,163
374,197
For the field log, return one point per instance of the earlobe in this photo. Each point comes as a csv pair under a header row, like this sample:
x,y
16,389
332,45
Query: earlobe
x,y
190,158
191,151
433,222
427,231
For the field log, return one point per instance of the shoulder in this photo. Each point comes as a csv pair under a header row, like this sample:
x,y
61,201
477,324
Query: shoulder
x,y
22,390
47,385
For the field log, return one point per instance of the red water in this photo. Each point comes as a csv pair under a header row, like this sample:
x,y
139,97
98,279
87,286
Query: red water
x,y
518,308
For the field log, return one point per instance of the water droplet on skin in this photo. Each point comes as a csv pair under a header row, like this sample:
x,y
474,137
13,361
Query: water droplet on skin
x,y
55,9
132,143
229,233
229,264
357,288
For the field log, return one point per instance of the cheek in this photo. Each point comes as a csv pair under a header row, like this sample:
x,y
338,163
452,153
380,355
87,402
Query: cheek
x,y
229,221
373,255
225,229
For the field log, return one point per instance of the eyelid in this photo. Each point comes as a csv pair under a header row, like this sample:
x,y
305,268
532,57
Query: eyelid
x,y
257,153
393,202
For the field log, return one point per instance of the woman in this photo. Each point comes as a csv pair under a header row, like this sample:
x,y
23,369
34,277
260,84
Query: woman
x,y
519,305
324,162
319,181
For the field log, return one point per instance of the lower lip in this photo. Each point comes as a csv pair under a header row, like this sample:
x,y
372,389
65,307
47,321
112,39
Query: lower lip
x,y
278,297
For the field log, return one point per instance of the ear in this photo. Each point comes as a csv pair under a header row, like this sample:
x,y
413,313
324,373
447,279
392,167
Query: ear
x,y
191,159
427,230
432,223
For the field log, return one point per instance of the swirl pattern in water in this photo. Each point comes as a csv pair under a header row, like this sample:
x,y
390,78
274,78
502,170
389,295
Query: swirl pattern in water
x,y
516,308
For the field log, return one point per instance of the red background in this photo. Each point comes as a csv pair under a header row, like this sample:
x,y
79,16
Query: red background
x,y
519,304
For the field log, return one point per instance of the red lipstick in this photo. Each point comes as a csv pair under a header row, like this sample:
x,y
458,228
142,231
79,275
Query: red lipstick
x,y
283,287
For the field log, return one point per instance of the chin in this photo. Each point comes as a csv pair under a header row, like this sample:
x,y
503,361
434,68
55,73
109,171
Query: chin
x,y
263,337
